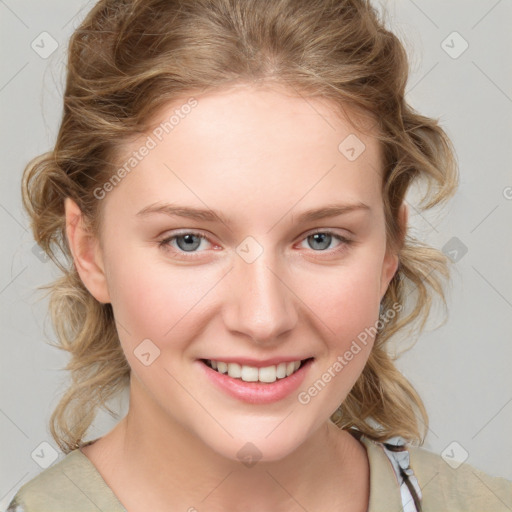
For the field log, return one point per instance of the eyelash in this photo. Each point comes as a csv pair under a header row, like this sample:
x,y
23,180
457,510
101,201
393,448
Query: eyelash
x,y
345,242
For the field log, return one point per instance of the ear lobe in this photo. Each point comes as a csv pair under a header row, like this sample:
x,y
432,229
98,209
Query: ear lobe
x,y
391,260
86,252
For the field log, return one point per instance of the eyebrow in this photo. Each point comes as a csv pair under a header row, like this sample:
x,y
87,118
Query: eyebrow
x,y
209,215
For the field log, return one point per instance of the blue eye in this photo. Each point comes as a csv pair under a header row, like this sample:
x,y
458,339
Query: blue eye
x,y
324,239
189,242
186,242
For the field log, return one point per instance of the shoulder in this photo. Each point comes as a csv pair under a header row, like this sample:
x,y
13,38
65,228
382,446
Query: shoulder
x,y
73,483
457,486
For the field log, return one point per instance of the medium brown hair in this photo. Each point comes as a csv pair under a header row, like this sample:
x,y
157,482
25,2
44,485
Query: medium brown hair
x,y
130,58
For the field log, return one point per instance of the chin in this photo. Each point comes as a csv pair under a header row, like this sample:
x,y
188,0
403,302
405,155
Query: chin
x,y
253,445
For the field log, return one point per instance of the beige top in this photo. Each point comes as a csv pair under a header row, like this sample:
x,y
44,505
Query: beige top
x,y
74,485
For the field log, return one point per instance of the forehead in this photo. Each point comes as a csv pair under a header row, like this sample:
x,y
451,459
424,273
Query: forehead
x,y
268,113
247,146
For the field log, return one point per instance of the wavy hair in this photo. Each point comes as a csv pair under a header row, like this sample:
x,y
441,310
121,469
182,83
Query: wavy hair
x,y
130,58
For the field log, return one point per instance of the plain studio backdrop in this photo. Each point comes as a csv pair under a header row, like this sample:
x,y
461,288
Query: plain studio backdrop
x,y
461,74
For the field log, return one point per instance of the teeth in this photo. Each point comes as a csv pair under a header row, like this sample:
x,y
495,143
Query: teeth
x,y
268,374
249,373
253,374
234,370
281,371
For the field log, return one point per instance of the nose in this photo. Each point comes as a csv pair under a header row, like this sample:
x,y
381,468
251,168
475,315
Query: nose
x,y
260,303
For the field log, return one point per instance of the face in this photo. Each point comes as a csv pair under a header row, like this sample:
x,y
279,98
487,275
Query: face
x,y
261,282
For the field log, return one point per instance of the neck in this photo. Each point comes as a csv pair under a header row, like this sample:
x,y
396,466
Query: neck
x,y
161,456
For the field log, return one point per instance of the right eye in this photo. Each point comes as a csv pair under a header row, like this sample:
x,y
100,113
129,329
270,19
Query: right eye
x,y
185,242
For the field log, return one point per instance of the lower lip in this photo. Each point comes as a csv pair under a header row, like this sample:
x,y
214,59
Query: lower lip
x,y
256,392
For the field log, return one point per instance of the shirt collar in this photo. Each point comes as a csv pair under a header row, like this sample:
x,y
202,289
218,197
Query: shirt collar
x,y
384,486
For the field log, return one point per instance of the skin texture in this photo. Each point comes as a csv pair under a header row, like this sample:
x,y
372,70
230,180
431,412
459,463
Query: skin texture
x,y
260,156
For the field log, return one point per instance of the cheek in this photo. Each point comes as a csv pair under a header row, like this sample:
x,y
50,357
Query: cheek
x,y
345,299
345,302
155,301
348,326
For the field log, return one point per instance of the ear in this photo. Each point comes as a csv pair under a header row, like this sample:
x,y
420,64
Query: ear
x,y
391,260
86,252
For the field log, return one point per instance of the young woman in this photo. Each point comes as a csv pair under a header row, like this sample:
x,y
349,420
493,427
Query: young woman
x,y
228,187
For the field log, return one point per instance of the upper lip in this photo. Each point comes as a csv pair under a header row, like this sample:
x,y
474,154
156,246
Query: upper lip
x,y
244,361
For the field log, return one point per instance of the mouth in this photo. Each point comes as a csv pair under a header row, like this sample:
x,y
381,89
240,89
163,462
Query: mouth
x,y
256,384
263,375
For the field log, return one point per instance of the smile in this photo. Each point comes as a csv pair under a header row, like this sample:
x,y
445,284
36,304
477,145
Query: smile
x,y
267,374
256,384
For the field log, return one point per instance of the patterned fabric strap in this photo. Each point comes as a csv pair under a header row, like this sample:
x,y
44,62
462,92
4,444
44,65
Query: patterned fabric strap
x,y
396,450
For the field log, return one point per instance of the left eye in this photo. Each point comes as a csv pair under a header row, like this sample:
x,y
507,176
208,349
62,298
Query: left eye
x,y
323,239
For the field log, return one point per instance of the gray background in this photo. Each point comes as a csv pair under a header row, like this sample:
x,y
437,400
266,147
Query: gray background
x,y
461,369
